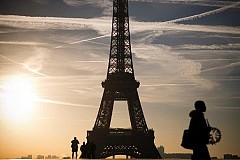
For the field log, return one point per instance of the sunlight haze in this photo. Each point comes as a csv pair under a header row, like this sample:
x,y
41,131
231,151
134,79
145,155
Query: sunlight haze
x,y
53,60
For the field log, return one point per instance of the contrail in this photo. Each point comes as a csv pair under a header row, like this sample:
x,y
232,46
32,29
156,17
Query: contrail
x,y
44,100
21,43
203,14
10,60
34,71
222,67
104,44
85,40
25,66
168,84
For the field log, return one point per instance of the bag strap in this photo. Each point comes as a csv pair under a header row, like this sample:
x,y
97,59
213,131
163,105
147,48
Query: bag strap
x,y
207,123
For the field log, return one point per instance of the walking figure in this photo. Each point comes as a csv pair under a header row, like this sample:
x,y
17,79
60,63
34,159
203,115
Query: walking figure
x,y
199,130
74,146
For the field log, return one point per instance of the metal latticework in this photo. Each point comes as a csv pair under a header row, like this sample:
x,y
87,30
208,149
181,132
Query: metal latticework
x,y
120,141
120,85
120,59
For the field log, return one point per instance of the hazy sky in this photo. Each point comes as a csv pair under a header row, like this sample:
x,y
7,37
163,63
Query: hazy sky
x,y
54,56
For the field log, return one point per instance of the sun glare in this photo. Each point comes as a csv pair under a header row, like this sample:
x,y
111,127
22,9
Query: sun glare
x,y
18,98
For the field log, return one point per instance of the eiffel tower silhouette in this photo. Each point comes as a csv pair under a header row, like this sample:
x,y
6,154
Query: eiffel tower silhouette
x,y
120,85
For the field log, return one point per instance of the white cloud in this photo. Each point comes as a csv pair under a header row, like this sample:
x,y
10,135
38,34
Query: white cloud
x,y
162,26
105,4
43,2
226,68
218,3
77,2
103,25
36,62
173,66
94,66
211,47
171,63
168,61
23,43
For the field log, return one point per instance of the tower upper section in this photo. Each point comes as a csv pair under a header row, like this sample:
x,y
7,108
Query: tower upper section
x,y
120,59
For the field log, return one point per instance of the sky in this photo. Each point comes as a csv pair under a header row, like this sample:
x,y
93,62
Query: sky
x,y
54,56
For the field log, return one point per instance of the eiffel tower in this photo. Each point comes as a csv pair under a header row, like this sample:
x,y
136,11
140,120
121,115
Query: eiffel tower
x,y
120,85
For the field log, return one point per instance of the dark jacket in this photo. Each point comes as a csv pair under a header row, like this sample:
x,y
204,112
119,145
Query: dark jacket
x,y
74,145
199,128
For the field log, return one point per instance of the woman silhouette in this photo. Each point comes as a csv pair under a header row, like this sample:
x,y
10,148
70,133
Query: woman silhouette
x,y
199,131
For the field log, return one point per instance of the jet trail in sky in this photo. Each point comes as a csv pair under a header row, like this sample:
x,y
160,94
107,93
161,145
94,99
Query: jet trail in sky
x,y
44,100
25,66
84,40
203,14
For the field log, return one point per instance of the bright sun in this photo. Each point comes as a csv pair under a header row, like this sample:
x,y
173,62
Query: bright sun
x,y
18,98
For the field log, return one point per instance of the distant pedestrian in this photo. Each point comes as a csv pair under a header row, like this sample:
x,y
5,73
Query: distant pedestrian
x,y
200,132
83,149
74,146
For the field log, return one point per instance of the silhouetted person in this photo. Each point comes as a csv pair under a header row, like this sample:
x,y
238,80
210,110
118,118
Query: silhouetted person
x,y
74,146
83,149
200,132
92,150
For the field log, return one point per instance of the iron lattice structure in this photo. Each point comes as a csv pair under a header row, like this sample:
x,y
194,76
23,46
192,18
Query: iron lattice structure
x,y
120,85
